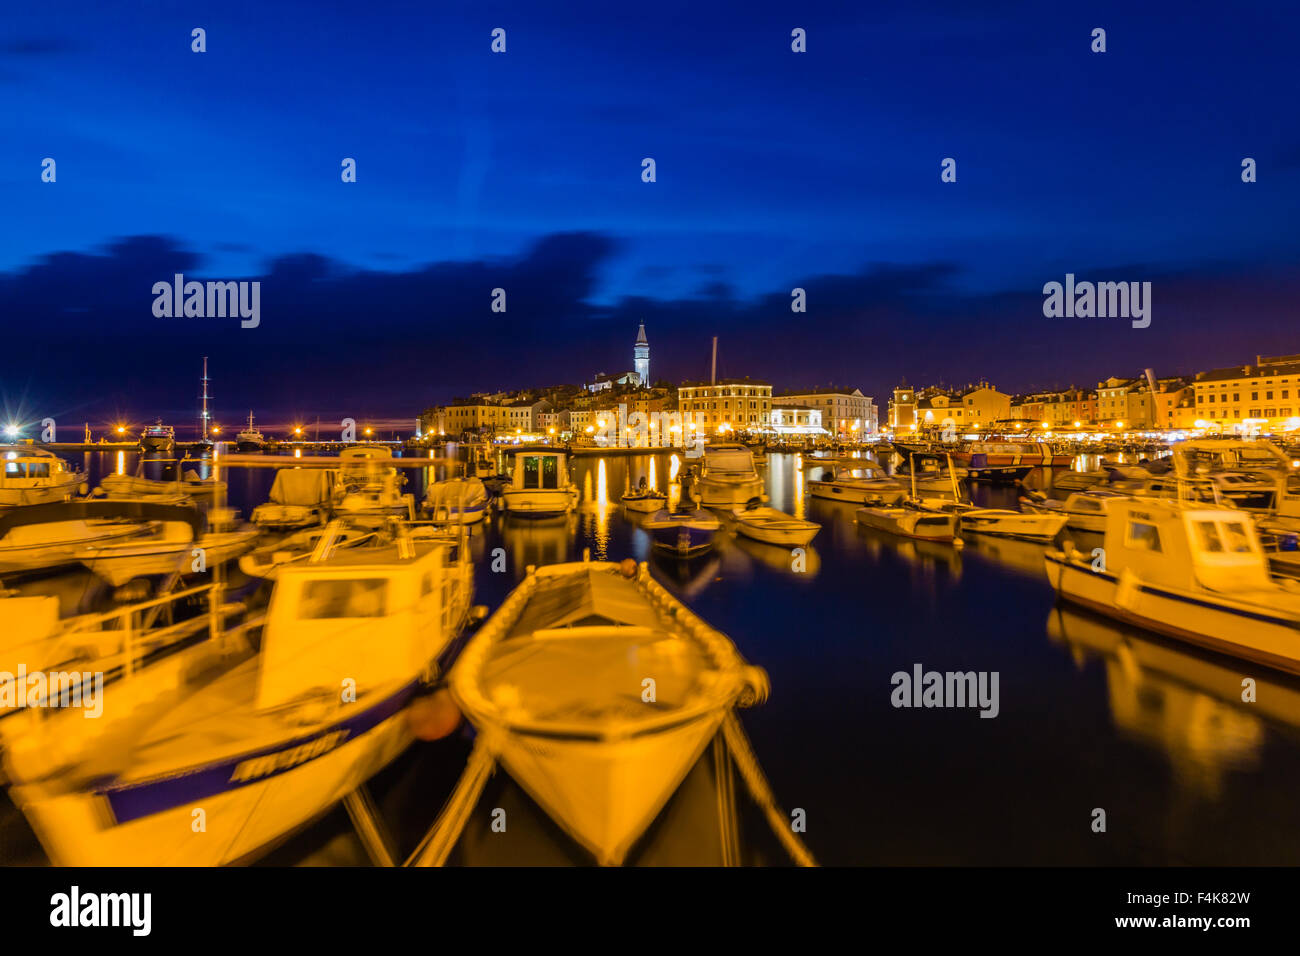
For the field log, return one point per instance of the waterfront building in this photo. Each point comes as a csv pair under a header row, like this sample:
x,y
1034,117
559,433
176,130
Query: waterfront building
x,y
1249,399
797,420
976,407
845,413
733,404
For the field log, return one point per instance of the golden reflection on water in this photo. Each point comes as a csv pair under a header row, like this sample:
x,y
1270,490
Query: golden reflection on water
x,y
121,463
651,479
675,465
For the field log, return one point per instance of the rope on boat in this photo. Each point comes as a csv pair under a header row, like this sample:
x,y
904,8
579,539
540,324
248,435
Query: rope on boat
x,y
752,773
438,842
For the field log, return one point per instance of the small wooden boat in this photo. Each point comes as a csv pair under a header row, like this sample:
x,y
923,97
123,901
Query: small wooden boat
x,y
597,690
684,533
910,522
34,476
771,526
1194,573
645,499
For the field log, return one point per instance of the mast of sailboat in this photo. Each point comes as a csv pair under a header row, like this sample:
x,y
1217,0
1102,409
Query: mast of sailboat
x,y
713,373
203,418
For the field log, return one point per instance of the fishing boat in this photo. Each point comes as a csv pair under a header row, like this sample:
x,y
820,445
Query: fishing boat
x,y
47,536
1083,510
463,500
258,737
858,483
1193,573
728,477
685,533
910,522
771,526
300,497
597,691
158,438
250,440
539,486
176,481
34,476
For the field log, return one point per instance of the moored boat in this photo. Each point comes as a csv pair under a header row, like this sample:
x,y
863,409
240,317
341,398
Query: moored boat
x,y
857,482
771,526
728,477
34,476
299,497
540,486
158,438
250,440
684,533
463,500
598,691
910,522
263,736
1190,572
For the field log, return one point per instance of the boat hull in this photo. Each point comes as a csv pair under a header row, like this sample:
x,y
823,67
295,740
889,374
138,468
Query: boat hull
x,y
726,493
538,502
887,494
1038,527
1255,632
921,525
113,827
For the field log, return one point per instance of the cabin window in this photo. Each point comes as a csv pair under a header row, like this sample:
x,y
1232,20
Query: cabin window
x,y
1238,539
38,469
1208,536
355,597
1143,536
13,469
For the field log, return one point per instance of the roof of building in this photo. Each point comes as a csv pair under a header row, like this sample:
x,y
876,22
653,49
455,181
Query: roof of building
x,y
820,390
1268,367
727,381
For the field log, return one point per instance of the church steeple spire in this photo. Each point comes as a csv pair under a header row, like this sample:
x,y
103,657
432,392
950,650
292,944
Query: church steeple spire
x,y
641,357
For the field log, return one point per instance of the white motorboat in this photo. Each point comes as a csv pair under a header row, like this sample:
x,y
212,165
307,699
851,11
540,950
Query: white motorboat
x,y
1083,510
300,497
40,537
1001,522
858,483
375,501
1193,573
457,500
253,738
910,522
598,691
728,477
34,476
539,486
771,526
178,541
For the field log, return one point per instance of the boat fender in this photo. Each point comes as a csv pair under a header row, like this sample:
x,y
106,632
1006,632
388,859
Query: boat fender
x,y
627,567
1126,595
756,686
433,717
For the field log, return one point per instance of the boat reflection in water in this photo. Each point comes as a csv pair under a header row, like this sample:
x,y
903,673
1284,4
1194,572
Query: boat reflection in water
x,y
802,563
1184,701
537,541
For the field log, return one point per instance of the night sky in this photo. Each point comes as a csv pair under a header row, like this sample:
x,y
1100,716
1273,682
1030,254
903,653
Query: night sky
x,y
522,170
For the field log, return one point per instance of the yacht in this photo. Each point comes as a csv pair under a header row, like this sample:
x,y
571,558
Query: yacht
x,y
1190,572
34,476
158,438
539,486
250,440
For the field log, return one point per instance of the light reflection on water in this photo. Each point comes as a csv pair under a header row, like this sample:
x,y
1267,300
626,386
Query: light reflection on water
x,y
1092,714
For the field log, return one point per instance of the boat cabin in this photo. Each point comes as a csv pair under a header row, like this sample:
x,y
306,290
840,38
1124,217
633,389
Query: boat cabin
x,y
540,470
369,615
33,468
1185,546
728,461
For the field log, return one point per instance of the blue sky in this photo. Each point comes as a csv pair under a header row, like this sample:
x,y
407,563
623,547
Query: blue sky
x,y
774,169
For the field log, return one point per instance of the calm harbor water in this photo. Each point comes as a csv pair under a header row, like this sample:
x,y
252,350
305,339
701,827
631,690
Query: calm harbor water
x,y
1092,715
